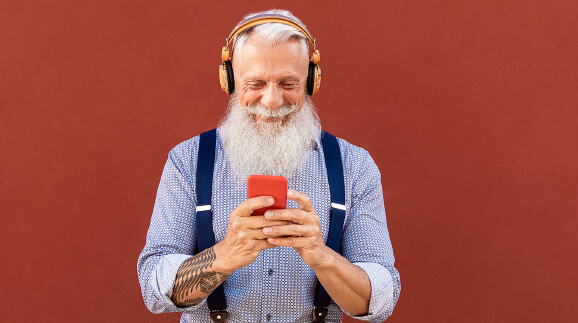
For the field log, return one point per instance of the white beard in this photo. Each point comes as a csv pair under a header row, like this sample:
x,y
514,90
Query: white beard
x,y
268,148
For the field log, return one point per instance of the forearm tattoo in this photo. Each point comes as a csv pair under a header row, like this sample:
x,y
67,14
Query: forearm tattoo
x,y
193,275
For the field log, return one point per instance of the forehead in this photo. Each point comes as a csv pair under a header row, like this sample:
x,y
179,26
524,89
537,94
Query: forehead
x,y
258,58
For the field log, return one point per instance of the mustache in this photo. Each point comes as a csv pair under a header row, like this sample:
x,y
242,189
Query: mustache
x,y
261,110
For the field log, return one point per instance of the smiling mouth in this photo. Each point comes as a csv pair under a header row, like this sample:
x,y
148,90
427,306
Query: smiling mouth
x,y
263,113
270,119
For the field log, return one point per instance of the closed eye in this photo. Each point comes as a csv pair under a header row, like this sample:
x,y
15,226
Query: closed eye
x,y
256,85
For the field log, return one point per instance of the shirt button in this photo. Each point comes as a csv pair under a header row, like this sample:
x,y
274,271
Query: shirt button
x,y
271,271
268,317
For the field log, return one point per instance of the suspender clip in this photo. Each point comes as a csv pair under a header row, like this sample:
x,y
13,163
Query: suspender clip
x,y
319,314
219,316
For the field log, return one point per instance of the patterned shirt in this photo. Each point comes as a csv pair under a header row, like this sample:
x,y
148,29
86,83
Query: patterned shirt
x,y
278,286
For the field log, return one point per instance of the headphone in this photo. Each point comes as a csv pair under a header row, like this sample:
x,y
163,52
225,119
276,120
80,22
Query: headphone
x,y
226,77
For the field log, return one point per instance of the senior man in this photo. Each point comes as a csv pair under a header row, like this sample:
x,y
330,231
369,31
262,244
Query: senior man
x,y
274,267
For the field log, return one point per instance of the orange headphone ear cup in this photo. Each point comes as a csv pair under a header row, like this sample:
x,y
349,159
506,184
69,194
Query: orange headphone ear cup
x,y
230,76
223,78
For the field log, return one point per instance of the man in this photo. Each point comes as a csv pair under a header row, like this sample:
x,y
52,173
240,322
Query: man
x,y
269,264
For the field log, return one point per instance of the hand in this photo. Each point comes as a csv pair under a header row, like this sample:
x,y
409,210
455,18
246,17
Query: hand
x,y
302,232
245,237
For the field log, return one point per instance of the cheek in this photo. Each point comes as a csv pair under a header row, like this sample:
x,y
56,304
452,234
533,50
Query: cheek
x,y
247,97
295,98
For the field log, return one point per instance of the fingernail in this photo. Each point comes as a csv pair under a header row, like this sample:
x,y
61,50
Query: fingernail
x,y
268,214
267,230
270,200
290,193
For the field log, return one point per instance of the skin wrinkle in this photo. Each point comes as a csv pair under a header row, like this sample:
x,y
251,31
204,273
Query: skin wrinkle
x,y
262,69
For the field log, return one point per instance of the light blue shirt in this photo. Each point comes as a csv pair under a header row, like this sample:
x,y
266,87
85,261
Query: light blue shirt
x,y
278,286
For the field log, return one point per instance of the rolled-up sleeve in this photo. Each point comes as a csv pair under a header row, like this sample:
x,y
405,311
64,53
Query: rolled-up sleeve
x,y
381,291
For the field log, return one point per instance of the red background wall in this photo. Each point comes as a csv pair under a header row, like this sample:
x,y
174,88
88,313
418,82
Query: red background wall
x,y
468,107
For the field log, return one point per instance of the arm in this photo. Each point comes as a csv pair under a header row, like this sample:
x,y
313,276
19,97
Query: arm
x,y
171,240
171,236
347,284
365,246
198,276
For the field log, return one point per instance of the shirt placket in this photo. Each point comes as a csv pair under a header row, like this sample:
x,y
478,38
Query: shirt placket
x,y
270,280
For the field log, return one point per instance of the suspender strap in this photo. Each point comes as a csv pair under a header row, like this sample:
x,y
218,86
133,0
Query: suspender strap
x,y
204,215
334,166
205,167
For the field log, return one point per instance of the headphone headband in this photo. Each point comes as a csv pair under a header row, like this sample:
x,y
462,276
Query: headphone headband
x,y
270,18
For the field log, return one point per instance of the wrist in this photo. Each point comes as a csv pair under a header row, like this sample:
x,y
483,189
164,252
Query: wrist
x,y
326,259
221,263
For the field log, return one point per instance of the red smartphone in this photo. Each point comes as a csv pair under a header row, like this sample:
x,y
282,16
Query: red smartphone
x,y
267,185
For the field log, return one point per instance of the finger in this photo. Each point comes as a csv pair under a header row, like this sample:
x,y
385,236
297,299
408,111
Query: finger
x,y
293,242
259,222
244,236
293,215
301,198
263,244
253,234
247,207
294,230
242,223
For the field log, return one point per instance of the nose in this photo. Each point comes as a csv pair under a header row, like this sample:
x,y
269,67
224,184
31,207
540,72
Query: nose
x,y
272,97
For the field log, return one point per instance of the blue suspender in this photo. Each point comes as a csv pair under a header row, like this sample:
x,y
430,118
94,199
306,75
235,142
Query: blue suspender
x,y
206,238
204,215
334,166
205,167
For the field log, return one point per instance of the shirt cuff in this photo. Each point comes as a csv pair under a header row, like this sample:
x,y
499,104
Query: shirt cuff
x,y
166,273
381,299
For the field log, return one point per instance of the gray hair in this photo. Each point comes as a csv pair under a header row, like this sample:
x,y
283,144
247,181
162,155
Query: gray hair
x,y
272,33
